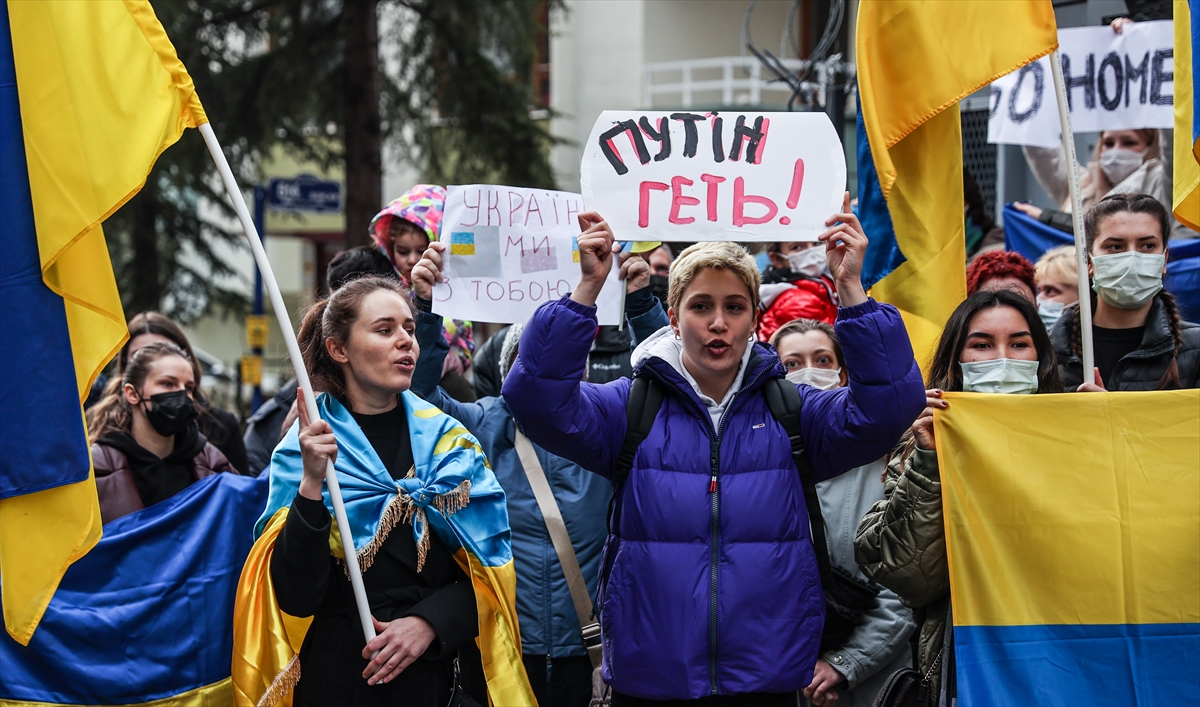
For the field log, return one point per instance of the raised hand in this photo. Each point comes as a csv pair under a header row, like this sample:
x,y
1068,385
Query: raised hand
x,y
596,249
635,271
428,271
846,248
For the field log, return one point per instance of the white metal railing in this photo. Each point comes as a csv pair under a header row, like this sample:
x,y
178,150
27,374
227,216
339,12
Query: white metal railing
x,y
720,81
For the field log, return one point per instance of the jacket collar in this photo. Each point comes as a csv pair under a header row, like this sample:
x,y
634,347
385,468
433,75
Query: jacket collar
x,y
761,365
1156,338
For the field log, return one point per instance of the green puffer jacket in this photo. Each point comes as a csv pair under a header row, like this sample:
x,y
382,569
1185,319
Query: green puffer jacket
x,y
901,544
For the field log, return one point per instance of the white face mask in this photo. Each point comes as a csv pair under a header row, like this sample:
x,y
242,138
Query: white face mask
x,y
1119,162
820,378
1128,280
1000,375
1049,311
809,262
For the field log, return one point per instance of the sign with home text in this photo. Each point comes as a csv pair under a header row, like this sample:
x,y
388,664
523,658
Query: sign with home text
x,y
1114,82
716,176
509,250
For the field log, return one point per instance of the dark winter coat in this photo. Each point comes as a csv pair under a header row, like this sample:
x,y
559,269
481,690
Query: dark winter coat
x,y
709,582
1141,369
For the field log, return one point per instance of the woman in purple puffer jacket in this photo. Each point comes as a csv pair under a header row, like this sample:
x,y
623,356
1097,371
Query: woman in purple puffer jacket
x,y
710,590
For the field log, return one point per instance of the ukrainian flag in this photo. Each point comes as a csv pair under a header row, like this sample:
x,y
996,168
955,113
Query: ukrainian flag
x,y
90,94
916,60
1073,537
1187,113
462,243
146,618
450,492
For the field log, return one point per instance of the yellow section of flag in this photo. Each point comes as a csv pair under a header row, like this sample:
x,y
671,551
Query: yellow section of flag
x,y
102,94
1186,199
916,60
1078,508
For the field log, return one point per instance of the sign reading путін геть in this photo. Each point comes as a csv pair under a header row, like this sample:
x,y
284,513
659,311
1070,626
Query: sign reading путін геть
x,y
719,176
510,249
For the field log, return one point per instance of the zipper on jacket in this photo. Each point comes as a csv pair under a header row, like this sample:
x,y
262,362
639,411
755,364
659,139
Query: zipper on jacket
x,y
714,460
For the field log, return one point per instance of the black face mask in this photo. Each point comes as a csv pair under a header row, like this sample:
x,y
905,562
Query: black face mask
x,y
658,287
172,412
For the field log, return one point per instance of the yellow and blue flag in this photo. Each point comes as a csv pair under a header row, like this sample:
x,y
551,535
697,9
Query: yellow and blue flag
x,y
1073,537
916,60
146,617
1187,114
451,492
90,94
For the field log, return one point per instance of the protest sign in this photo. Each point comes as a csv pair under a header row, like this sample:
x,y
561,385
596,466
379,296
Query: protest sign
x,y
1114,82
729,176
509,250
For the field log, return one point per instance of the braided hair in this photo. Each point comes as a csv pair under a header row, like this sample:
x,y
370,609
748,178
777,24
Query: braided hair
x,y
1135,204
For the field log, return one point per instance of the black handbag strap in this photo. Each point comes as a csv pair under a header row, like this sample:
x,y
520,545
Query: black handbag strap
x,y
783,399
645,400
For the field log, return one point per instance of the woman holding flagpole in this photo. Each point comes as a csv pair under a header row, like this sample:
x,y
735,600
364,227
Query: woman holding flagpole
x,y
429,523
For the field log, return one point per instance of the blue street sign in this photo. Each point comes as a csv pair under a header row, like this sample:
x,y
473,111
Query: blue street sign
x,y
304,193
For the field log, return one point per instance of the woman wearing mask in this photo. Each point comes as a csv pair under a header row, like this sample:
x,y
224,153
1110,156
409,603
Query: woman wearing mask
x,y
146,446
423,506
1055,277
403,230
851,674
220,427
796,286
709,586
1139,339
993,343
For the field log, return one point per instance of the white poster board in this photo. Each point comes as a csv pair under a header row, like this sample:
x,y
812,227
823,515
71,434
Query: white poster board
x,y
727,176
1114,82
509,250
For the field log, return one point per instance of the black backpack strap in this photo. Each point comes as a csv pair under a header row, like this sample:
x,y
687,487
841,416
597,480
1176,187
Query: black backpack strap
x,y
784,402
645,400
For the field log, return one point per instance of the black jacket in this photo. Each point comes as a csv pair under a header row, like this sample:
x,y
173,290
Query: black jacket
x,y
1142,369
263,428
310,582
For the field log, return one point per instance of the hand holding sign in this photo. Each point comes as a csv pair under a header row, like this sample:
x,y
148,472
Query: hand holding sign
x,y
845,249
428,271
596,250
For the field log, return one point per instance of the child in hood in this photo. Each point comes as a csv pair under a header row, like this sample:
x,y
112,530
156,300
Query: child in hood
x,y
403,230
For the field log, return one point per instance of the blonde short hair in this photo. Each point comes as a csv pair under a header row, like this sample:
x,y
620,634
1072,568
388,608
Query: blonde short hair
x,y
1057,264
721,255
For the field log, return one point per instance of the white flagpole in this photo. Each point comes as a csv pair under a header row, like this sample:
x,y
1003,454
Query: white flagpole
x,y
1085,299
293,347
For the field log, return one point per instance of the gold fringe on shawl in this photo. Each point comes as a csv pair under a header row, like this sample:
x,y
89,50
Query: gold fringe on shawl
x,y
402,510
283,684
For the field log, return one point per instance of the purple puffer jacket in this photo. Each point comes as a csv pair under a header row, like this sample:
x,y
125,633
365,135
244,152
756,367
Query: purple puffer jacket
x,y
712,592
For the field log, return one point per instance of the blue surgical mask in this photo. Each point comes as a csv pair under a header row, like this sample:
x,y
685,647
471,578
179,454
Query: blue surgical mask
x,y
1049,311
1000,375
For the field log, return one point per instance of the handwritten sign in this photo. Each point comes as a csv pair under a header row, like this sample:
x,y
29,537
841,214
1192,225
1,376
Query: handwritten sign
x,y
509,250
719,176
1114,82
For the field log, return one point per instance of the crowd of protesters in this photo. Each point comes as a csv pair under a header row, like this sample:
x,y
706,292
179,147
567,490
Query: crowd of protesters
x,y
745,439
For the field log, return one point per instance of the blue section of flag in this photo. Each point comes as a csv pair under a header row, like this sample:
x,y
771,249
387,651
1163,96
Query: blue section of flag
x,y
1194,10
462,238
883,255
1068,665
42,441
148,613
1028,236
